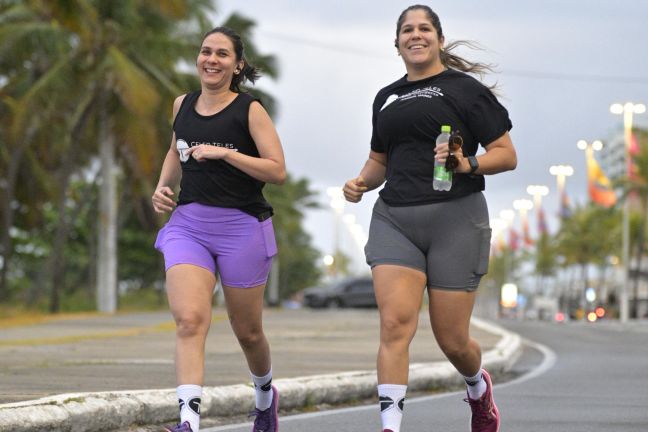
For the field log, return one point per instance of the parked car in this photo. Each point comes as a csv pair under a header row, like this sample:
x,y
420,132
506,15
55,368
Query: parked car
x,y
349,292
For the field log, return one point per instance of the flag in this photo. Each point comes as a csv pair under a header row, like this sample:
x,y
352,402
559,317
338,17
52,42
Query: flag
x,y
513,240
565,206
528,241
542,222
598,185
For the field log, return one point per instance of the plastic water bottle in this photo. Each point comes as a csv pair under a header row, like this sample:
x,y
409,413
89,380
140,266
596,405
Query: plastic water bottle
x,y
442,177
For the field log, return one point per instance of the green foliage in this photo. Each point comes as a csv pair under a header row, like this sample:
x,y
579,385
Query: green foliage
x,y
297,258
590,235
67,63
545,256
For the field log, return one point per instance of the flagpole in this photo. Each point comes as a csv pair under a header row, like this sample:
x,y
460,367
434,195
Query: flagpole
x,y
627,109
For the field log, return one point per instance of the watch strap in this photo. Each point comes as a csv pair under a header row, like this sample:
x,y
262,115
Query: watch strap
x,y
472,161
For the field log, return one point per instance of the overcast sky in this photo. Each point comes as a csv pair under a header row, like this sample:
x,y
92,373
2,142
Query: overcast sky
x,y
560,64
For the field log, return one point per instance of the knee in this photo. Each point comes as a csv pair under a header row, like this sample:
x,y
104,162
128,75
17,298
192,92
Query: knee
x,y
395,329
248,336
454,347
191,325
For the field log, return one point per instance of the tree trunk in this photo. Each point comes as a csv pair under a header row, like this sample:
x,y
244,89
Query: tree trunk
x,y
585,276
107,239
6,244
57,263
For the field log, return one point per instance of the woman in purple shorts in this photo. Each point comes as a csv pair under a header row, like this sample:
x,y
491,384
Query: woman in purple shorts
x,y
224,149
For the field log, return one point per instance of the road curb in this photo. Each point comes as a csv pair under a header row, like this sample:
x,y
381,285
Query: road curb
x,y
106,411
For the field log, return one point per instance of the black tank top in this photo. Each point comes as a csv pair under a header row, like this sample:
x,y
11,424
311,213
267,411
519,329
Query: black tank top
x,y
215,182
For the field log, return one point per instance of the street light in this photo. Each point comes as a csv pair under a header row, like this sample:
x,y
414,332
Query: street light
x,y
628,110
561,172
538,191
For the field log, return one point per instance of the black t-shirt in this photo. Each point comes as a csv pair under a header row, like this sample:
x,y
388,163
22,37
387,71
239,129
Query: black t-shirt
x,y
407,118
216,182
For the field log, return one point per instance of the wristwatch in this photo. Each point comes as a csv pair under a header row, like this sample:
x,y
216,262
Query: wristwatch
x,y
472,161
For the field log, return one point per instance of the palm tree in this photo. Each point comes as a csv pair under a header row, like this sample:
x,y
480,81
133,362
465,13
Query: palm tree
x,y
115,61
589,236
106,73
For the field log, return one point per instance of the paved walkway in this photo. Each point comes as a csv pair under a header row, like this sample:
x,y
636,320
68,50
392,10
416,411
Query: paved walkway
x,y
135,351
98,373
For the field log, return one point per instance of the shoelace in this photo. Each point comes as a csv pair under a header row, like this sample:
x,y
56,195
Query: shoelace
x,y
262,420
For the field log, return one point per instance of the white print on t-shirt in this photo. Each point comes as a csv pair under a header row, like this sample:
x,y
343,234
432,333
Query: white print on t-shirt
x,y
389,100
182,147
426,92
215,144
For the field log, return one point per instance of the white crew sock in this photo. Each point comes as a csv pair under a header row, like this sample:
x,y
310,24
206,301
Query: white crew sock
x,y
392,398
189,398
263,390
476,385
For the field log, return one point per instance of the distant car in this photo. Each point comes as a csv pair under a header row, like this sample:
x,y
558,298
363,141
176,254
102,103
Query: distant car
x,y
349,292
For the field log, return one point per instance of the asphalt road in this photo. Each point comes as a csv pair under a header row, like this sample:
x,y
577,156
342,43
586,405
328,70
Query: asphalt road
x,y
576,377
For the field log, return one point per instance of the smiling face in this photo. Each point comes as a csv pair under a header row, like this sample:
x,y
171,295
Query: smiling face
x,y
217,61
418,41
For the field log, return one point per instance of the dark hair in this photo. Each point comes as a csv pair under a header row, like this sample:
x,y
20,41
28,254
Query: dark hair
x,y
249,72
448,58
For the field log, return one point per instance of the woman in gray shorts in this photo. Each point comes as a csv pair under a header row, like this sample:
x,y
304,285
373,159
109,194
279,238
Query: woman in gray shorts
x,y
421,237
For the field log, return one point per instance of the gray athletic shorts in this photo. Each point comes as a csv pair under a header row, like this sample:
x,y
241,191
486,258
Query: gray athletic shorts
x,y
448,241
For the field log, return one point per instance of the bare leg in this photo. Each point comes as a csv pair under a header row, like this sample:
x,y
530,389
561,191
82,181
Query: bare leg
x,y
189,289
450,318
245,310
399,293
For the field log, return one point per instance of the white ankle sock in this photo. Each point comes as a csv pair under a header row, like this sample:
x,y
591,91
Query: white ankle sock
x,y
189,398
392,398
476,385
263,390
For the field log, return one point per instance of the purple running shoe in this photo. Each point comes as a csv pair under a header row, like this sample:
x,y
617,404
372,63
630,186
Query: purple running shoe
x,y
183,427
267,420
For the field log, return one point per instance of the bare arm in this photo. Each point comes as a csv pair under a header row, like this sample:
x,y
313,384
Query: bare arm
x,y
371,176
270,167
170,173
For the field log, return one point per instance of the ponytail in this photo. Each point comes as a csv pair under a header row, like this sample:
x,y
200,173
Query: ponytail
x,y
248,73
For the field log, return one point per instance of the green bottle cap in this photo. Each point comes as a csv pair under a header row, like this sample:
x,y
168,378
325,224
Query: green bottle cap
x,y
446,128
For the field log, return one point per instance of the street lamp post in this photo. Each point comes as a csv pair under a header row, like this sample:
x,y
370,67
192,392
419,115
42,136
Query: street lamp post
x,y
628,110
561,172
523,206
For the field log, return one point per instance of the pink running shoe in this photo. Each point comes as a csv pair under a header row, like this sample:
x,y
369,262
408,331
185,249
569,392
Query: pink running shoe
x,y
485,416
267,420
184,427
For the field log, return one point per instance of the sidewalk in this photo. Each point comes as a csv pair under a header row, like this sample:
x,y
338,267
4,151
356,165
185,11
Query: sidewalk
x,y
130,352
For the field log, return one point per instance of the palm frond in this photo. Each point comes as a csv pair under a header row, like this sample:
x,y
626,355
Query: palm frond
x,y
133,86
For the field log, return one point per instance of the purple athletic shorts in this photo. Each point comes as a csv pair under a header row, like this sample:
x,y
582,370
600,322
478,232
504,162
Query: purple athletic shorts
x,y
226,241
